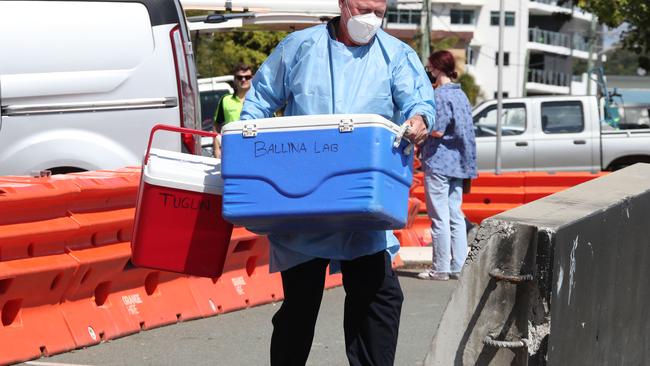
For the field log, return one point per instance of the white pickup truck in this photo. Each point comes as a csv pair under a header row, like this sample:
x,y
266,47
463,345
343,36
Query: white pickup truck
x,y
556,133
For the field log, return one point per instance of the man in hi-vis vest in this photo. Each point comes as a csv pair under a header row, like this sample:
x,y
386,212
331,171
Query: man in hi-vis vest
x,y
230,105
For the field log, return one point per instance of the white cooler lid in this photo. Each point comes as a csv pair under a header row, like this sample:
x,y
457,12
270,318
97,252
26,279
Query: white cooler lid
x,y
183,171
316,121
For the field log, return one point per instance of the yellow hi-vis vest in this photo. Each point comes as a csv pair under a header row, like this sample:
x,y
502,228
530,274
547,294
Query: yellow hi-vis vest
x,y
231,107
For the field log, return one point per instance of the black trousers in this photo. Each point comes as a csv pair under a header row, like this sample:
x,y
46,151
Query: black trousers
x,y
373,303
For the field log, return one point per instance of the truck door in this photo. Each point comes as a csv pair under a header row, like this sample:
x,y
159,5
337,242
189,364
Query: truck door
x,y
563,143
516,139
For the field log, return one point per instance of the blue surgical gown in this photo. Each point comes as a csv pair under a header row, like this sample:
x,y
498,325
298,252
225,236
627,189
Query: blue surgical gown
x,y
310,72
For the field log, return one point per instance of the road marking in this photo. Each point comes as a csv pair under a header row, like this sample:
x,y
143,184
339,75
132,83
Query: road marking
x,y
39,363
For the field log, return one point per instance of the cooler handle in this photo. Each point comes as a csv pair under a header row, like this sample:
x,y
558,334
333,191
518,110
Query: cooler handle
x,y
159,127
398,139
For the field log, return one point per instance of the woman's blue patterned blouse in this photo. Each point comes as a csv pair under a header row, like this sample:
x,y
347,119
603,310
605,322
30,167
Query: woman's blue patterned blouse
x,y
454,154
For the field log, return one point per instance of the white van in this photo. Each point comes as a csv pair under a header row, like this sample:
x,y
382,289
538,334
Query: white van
x,y
83,82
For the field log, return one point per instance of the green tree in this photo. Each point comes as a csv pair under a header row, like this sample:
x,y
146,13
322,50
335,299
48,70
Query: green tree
x,y
636,13
468,85
622,62
219,52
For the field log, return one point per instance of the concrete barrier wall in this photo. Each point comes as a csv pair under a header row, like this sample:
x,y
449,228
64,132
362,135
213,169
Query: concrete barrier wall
x,y
561,281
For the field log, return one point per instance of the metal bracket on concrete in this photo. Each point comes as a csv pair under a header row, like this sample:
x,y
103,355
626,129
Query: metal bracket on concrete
x,y
500,275
490,341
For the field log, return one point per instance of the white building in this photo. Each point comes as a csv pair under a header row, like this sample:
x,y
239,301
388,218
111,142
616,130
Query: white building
x,y
542,40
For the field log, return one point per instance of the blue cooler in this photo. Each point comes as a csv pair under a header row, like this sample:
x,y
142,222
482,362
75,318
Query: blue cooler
x,y
316,173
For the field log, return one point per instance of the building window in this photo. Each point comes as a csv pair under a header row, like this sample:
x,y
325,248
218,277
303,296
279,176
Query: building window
x,y
506,58
510,18
505,95
462,16
403,16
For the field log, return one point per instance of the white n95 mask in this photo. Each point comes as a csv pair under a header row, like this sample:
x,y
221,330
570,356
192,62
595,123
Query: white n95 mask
x,y
362,27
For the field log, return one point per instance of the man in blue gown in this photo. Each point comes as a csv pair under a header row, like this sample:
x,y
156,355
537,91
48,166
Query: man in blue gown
x,y
348,65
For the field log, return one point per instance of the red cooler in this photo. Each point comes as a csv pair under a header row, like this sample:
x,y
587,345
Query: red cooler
x,y
178,223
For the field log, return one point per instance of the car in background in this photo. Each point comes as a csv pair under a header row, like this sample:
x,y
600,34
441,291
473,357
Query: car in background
x,y
557,133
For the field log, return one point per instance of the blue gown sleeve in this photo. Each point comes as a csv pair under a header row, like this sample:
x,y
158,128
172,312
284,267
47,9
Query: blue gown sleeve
x,y
412,92
268,92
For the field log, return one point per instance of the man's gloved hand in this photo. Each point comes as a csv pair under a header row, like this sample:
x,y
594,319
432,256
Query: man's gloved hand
x,y
417,132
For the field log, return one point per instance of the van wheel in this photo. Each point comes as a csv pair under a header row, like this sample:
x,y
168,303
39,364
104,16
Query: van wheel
x,y
65,170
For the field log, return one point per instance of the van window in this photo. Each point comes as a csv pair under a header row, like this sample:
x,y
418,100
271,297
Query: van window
x,y
562,117
513,120
89,36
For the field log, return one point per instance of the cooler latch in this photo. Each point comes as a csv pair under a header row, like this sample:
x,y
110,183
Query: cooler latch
x,y
249,130
346,125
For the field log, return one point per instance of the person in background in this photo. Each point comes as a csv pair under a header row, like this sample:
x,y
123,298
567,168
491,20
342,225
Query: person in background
x,y
230,105
348,65
448,158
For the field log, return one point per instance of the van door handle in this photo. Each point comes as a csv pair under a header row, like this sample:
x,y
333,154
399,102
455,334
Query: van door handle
x,y
579,142
521,143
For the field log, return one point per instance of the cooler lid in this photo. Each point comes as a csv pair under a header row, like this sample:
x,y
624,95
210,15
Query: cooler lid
x,y
183,171
346,122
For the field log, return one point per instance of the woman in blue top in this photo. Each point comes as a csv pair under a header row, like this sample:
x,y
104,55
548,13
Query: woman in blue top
x,y
448,157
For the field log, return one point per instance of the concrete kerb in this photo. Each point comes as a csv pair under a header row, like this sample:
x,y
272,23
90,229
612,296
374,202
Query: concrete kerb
x,y
585,250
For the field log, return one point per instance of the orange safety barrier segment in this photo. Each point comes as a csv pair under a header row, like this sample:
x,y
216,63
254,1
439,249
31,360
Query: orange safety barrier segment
x,y
30,292
109,298
66,280
44,216
492,194
24,199
245,280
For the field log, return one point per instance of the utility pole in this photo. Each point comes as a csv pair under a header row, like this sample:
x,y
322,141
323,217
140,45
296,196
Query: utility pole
x,y
425,28
502,23
592,41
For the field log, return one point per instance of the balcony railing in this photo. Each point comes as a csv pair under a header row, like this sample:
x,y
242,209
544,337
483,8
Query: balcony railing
x,y
549,77
556,39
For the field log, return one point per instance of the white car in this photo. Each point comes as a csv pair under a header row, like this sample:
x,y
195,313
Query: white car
x,y
82,83
557,133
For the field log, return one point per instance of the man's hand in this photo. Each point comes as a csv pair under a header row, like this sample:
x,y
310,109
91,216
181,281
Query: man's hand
x,y
417,132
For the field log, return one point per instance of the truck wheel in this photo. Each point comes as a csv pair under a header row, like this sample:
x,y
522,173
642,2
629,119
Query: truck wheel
x,y
627,161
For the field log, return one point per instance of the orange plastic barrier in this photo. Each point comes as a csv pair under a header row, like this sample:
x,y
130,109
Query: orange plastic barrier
x,y
492,194
24,199
110,298
44,216
66,280
30,291
414,205
245,281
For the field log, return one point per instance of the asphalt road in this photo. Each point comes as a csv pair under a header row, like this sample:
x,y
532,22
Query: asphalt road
x,y
242,337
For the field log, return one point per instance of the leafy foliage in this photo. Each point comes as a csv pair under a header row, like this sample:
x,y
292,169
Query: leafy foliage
x,y
220,52
636,13
624,62
468,85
